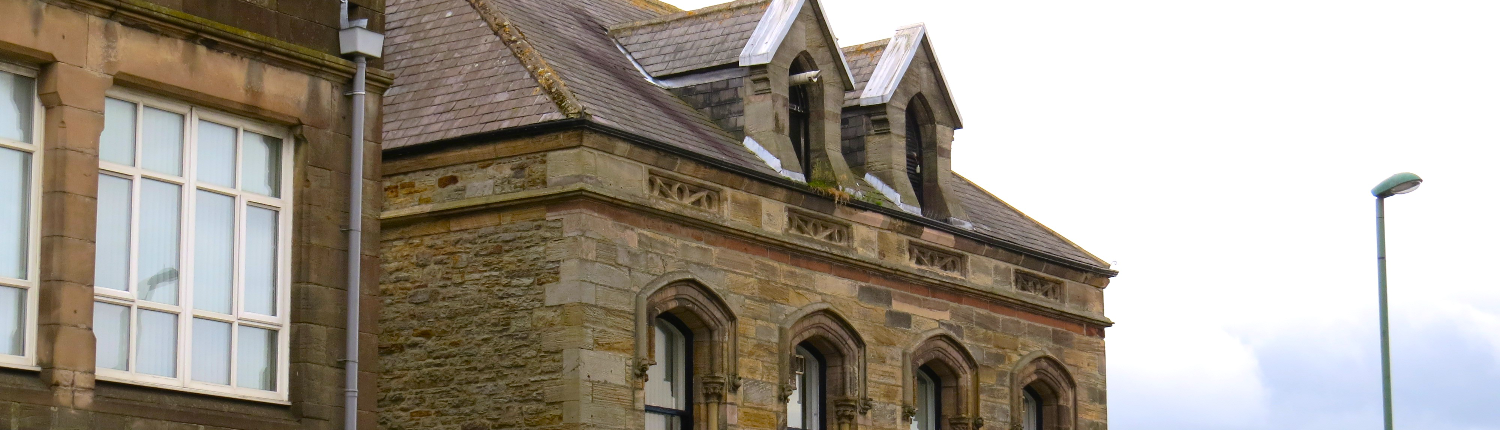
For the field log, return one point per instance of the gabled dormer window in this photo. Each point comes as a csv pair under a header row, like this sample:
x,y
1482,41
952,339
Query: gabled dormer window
x,y
799,115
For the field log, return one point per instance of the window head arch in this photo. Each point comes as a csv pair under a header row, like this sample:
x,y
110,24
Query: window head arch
x,y
1044,395
943,365
684,331
818,342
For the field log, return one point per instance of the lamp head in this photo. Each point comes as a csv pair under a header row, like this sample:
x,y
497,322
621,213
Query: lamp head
x,y
1400,183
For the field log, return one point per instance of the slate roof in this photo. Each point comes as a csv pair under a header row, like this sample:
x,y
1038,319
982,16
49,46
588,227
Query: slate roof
x,y
862,60
455,77
996,218
693,40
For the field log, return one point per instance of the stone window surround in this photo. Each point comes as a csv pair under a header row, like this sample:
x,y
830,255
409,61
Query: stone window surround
x,y
284,205
955,367
32,281
843,351
1049,378
713,326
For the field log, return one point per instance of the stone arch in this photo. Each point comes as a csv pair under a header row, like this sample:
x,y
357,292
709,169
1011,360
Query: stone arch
x,y
713,327
942,353
1055,387
843,351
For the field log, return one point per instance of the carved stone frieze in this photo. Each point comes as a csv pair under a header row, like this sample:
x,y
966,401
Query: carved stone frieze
x,y
686,194
817,228
1033,284
936,259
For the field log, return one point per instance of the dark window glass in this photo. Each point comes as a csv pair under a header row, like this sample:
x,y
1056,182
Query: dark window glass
x,y
914,151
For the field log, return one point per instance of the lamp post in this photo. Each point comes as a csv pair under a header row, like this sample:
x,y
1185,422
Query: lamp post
x,y
1400,183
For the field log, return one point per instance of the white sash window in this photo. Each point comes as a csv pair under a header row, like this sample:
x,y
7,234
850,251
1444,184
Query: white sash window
x,y
192,247
20,198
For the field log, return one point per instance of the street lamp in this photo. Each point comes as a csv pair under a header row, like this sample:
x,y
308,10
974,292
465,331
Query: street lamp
x,y
1400,183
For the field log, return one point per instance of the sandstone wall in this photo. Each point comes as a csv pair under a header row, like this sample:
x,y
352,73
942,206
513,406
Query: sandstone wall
x,y
618,218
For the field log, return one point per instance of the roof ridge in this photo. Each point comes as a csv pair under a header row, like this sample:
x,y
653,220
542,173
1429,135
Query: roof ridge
x,y
550,81
1054,233
867,45
685,14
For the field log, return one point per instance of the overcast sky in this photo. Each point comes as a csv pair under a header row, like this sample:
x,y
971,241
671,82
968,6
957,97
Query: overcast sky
x,y
1221,154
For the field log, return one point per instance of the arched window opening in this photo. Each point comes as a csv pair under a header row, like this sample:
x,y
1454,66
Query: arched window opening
x,y
668,381
1045,399
942,387
799,116
804,408
929,402
918,124
1031,410
684,354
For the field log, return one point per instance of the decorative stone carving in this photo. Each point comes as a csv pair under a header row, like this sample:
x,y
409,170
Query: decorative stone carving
x,y
961,423
936,259
640,366
908,412
1033,284
846,410
713,388
817,228
685,193
865,405
784,393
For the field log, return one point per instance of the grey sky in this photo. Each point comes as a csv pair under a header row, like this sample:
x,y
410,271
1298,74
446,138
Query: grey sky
x,y
1221,152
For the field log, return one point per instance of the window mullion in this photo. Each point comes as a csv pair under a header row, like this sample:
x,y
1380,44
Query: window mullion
x,y
187,223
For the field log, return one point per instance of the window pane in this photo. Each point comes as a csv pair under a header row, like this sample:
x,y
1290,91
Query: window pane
x,y
655,421
156,343
262,165
257,355
15,211
666,379
111,329
12,321
157,270
213,255
216,154
117,143
161,141
17,95
260,260
211,351
112,235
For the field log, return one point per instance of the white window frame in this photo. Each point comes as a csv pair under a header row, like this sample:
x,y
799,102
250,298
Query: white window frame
x,y
184,310
32,283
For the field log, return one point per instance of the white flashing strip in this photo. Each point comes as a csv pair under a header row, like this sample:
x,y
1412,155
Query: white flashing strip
x,y
892,65
890,194
894,62
701,78
772,29
637,65
961,223
775,25
771,160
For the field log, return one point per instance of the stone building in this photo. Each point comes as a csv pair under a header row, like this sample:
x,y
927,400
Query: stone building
x,y
174,185
615,214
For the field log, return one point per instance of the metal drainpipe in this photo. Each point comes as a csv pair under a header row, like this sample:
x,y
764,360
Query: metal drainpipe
x,y
356,230
358,42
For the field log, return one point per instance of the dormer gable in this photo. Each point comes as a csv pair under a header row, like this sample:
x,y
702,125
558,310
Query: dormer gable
x,y
898,124
736,62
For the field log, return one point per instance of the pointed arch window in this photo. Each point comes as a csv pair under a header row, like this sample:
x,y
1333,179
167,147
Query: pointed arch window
x,y
799,116
942,392
918,129
684,354
824,385
1045,398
